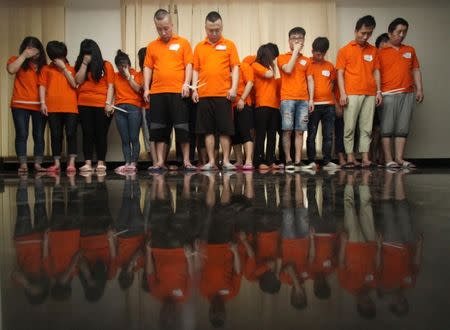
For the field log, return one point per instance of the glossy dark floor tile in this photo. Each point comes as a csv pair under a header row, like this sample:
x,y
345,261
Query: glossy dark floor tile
x,y
343,250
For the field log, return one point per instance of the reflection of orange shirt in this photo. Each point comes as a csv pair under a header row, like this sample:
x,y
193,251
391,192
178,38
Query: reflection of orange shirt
x,y
124,93
245,75
398,269
126,248
358,64
168,62
29,255
325,258
266,89
266,249
295,251
96,248
396,68
324,76
62,246
214,64
294,86
359,270
171,277
25,87
59,95
93,94
218,276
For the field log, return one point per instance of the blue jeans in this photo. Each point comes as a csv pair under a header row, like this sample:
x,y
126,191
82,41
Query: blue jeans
x,y
129,125
294,115
21,118
326,114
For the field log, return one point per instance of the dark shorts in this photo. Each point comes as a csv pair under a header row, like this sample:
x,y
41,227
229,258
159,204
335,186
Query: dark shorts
x,y
214,115
169,110
243,125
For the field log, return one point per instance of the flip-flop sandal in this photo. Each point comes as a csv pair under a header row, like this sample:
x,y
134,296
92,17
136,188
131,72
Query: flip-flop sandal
x,y
100,168
156,169
71,169
23,170
209,167
190,168
368,166
407,164
86,169
53,169
248,168
392,165
349,166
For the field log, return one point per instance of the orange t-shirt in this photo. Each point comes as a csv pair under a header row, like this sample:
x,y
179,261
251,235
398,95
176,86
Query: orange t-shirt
x,y
62,246
218,276
25,87
359,270
324,77
245,75
358,64
124,93
398,269
93,94
171,277
266,89
325,257
294,86
295,251
29,254
396,67
59,95
249,59
96,248
266,249
214,64
168,62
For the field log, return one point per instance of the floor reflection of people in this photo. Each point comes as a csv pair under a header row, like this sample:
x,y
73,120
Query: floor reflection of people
x,y
360,250
402,248
61,246
28,236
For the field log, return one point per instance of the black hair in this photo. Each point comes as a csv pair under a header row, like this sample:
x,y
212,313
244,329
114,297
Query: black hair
x,y
141,56
269,283
367,21
121,58
99,274
56,49
321,44
217,320
321,288
160,14
35,43
37,299
96,66
297,30
274,49
61,292
125,278
396,22
213,16
265,56
384,37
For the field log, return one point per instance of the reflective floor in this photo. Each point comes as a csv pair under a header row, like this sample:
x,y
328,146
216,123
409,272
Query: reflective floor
x,y
343,250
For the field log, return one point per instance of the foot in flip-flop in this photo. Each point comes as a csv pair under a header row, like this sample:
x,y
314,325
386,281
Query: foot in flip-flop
x,y
156,168
190,168
71,169
86,168
209,167
369,165
407,164
100,168
349,165
23,169
392,165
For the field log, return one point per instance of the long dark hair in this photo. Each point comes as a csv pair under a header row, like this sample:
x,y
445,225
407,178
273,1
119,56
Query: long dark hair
x,y
265,56
141,55
35,43
96,66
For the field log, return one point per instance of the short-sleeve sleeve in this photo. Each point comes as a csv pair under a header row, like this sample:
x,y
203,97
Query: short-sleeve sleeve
x,y
43,77
196,59
340,60
187,53
109,73
415,62
259,70
148,61
234,57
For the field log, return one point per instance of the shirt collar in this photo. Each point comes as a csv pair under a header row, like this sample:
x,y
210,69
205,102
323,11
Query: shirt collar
x,y
220,41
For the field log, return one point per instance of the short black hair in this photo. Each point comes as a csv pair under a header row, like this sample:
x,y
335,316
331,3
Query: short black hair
x,y
384,37
274,48
367,21
297,30
269,283
56,49
160,14
321,44
213,16
321,288
141,55
121,58
396,22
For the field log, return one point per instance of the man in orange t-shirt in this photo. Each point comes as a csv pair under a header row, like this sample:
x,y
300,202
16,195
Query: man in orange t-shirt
x,y
401,84
358,76
214,89
168,66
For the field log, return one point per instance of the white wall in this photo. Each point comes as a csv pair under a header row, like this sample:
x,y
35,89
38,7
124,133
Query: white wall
x,y
98,20
429,33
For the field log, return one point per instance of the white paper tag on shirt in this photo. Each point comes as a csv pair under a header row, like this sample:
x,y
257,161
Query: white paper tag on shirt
x,y
407,55
327,263
224,292
369,278
303,62
305,274
325,73
368,58
174,47
221,47
177,293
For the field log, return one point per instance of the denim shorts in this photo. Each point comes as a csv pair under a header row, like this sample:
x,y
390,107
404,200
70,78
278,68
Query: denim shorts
x,y
294,115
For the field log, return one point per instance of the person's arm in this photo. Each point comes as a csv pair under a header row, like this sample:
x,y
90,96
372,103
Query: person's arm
x,y
45,245
195,97
341,84
15,66
186,91
65,277
62,66
147,79
342,248
42,92
418,252
149,264
112,244
236,258
379,96
417,75
109,99
247,90
378,256
276,69
134,85
247,246
80,76
234,83
312,246
287,68
311,93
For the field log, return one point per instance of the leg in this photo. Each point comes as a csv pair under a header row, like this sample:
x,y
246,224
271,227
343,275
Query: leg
x,y
180,116
298,146
38,121
351,113
209,144
365,127
301,120
327,132
287,145
313,124
339,139
287,111
21,120
87,118
122,127
134,123
205,126
71,123
102,123
272,128
260,135
56,123
405,110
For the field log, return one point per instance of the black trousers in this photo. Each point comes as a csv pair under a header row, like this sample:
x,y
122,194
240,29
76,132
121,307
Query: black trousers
x,y
60,122
266,124
95,126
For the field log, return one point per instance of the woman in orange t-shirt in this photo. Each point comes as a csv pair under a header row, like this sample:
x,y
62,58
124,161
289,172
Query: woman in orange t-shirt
x,y
57,90
25,100
128,86
95,93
